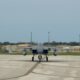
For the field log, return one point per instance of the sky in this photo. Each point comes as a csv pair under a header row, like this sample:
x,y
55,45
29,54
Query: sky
x,y
18,18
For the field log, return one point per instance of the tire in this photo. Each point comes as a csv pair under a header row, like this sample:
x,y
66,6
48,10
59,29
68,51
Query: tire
x,y
40,57
55,54
32,58
47,59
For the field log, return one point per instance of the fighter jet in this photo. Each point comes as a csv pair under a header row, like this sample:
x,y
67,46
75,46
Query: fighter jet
x,y
40,50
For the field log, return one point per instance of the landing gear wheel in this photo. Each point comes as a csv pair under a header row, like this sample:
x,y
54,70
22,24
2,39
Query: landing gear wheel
x,y
32,58
40,57
55,54
47,59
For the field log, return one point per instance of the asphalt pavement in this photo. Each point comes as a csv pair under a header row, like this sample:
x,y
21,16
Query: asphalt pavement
x,y
18,67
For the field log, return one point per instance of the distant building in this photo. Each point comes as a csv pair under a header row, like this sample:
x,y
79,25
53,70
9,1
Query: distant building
x,y
16,48
65,48
19,48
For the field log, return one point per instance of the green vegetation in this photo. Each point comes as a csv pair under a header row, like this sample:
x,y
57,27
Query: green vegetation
x,y
53,43
67,53
29,53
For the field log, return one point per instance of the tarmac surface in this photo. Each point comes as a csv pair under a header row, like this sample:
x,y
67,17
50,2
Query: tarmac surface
x,y
18,67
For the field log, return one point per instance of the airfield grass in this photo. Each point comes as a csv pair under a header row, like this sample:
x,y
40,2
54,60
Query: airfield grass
x,y
50,53
67,53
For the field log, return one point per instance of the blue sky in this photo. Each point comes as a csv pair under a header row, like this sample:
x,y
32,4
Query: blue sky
x,y
20,17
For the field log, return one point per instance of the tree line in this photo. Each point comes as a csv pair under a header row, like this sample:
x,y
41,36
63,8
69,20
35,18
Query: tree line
x,y
13,43
53,43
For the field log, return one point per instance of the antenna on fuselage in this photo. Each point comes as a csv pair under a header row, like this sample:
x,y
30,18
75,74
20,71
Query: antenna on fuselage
x,y
31,39
79,39
48,39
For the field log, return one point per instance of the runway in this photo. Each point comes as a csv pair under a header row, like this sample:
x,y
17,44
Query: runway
x,y
18,67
